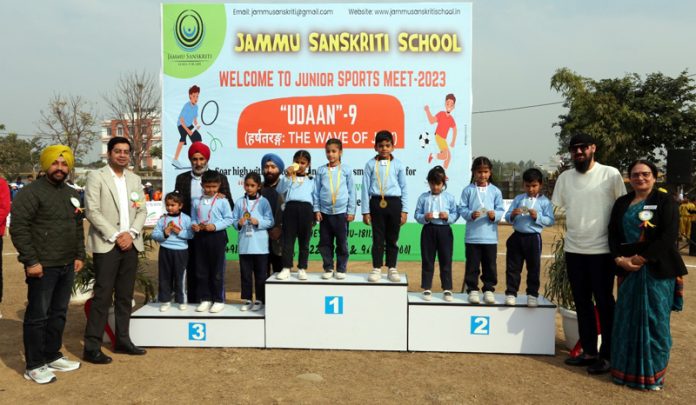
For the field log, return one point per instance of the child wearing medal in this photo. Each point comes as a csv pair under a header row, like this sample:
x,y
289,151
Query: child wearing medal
x,y
384,205
482,207
172,231
297,188
334,209
211,216
436,210
252,217
529,213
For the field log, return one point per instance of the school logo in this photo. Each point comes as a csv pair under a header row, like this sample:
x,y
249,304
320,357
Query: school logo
x,y
189,30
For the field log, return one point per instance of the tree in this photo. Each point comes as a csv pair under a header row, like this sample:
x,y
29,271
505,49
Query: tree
x,y
629,117
18,155
70,121
135,103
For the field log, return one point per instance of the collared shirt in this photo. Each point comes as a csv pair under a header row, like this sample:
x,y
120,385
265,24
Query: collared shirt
x,y
122,193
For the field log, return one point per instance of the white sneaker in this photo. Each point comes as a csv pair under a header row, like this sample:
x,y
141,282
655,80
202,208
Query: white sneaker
x,y
63,364
510,300
488,297
375,275
447,295
165,306
327,275
427,295
203,306
340,275
41,375
474,297
283,275
247,305
182,307
301,274
532,301
217,307
258,305
394,276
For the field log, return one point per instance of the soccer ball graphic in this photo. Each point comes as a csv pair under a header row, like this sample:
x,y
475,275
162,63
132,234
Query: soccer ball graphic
x,y
424,140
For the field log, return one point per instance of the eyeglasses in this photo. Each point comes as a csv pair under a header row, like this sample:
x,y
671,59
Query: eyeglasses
x,y
582,148
637,175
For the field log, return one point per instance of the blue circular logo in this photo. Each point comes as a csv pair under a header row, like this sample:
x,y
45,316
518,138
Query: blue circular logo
x,y
189,30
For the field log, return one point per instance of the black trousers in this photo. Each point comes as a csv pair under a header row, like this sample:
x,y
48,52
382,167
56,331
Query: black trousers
x,y
172,274
521,248
386,225
592,276
436,239
253,267
44,319
274,265
114,276
480,260
334,227
210,265
298,219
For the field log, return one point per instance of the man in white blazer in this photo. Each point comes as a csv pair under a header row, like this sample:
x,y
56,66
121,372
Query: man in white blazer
x,y
115,208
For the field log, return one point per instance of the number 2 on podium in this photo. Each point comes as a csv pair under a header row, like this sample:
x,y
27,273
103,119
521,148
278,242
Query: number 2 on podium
x,y
333,305
480,325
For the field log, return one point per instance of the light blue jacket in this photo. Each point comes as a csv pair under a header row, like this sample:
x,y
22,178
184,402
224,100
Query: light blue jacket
x,y
482,230
345,197
257,243
427,202
301,188
394,186
216,211
524,223
173,241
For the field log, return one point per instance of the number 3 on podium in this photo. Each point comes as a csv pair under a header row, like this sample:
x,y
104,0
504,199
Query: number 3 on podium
x,y
333,305
480,325
197,331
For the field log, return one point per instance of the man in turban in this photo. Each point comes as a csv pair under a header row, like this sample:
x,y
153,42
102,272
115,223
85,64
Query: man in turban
x,y
271,166
47,233
189,185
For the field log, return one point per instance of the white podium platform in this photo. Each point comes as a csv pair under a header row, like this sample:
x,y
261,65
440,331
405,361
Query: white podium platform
x,y
457,326
229,328
350,314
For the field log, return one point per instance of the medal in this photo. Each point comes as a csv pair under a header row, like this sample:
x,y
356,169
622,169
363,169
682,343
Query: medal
x,y
247,215
382,185
334,193
383,203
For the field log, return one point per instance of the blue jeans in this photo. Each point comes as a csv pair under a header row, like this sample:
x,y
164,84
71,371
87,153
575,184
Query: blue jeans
x,y
44,319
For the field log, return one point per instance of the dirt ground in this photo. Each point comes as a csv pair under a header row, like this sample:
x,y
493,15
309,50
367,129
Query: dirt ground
x,y
276,376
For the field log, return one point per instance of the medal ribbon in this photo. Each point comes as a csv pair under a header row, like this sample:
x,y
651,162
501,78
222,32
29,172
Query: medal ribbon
x,y
379,180
246,204
334,194
164,224
209,211
478,194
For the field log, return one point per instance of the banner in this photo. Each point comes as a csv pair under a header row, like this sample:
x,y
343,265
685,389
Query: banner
x,y
283,77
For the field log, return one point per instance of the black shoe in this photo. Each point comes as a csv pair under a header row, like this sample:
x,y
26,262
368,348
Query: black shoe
x,y
96,357
601,366
580,361
131,349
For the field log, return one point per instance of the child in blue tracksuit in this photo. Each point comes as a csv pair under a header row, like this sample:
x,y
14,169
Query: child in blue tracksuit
x,y
252,217
297,189
172,231
334,209
529,213
482,207
436,210
211,216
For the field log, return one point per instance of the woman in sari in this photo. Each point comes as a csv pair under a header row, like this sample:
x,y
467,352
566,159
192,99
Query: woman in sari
x,y
643,232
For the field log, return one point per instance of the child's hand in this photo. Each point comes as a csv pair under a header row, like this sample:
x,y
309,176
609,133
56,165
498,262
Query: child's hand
x,y
254,221
404,217
291,169
274,233
367,219
491,215
209,227
350,217
475,214
317,216
167,230
241,222
515,212
444,215
195,227
533,213
428,216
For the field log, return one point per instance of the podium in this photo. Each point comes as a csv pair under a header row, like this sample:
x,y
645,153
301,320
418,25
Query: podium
x,y
458,326
349,314
174,328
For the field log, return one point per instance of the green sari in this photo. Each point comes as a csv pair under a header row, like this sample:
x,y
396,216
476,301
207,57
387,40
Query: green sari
x,y
641,339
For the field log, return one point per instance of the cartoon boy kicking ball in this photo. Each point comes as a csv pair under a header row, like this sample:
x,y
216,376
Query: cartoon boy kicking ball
x,y
444,121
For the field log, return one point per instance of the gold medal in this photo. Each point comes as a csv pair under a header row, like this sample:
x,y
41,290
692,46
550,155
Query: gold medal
x,y
247,215
383,203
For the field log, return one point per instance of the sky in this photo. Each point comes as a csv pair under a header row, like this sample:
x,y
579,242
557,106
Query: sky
x,y
81,47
